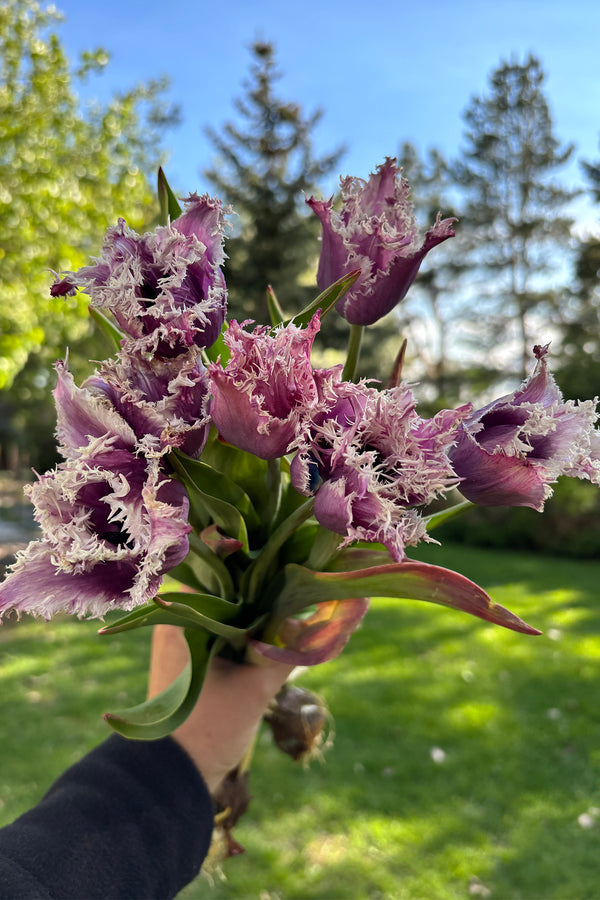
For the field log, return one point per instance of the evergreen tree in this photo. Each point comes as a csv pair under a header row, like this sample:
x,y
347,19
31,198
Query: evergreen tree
x,y
265,164
514,204
436,313
428,315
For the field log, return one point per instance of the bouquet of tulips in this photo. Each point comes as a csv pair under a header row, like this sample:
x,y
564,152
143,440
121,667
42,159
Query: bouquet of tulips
x,y
278,495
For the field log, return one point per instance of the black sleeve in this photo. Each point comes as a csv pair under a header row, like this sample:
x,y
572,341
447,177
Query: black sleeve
x,y
132,819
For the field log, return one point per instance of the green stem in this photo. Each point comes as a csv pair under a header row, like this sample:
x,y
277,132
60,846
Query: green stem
x,y
323,548
259,569
218,567
445,515
273,491
353,355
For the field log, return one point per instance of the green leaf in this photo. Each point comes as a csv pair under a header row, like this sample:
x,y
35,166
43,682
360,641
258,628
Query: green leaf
x,y
211,487
408,580
211,606
158,717
298,546
217,485
108,328
247,470
324,546
219,349
257,573
148,614
325,301
276,314
186,573
353,558
169,207
204,611
203,571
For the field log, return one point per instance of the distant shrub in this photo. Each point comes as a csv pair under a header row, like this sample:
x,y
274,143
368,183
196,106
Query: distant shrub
x,y
569,525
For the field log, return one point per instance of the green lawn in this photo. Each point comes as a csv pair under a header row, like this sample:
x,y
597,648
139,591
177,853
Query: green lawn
x,y
466,760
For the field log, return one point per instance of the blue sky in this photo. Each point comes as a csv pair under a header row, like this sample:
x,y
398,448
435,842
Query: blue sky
x,y
382,72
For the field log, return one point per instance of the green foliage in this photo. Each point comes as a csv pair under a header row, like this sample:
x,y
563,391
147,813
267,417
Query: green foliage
x,y
569,525
515,716
264,164
66,173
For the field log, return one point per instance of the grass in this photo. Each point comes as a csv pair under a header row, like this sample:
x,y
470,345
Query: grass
x,y
466,759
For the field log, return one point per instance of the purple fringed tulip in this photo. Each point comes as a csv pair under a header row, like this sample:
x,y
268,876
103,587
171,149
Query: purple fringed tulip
x,y
83,418
112,521
162,399
370,460
375,231
110,532
165,289
260,396
511,451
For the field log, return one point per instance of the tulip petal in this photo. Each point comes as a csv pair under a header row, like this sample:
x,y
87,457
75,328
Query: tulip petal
x,y
494,479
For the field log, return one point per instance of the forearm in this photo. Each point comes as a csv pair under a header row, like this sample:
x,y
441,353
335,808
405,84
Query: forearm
x,y
130,820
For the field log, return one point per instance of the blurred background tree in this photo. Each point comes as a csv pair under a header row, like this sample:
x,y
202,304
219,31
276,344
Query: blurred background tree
x,y
431,313
264,166
65,174
515,208
579,361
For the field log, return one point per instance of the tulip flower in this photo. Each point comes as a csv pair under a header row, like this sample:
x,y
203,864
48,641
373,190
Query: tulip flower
x,y
109,535
112,521
371,460
164,288
165,401
374,231
259,398
511,451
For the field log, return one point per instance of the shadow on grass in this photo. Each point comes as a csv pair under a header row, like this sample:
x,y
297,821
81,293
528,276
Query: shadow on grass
x,y
464,754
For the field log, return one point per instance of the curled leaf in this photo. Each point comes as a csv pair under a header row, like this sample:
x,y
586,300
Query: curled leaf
x,y
409,580
319,637
158,717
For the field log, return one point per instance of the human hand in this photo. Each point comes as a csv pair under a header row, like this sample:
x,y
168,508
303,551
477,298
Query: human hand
x,y
232,702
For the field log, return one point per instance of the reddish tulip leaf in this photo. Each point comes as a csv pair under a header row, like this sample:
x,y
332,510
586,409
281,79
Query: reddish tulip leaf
x,y
408,580
318,638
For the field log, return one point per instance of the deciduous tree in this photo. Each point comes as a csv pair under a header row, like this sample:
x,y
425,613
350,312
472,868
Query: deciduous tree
x,y
66,172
